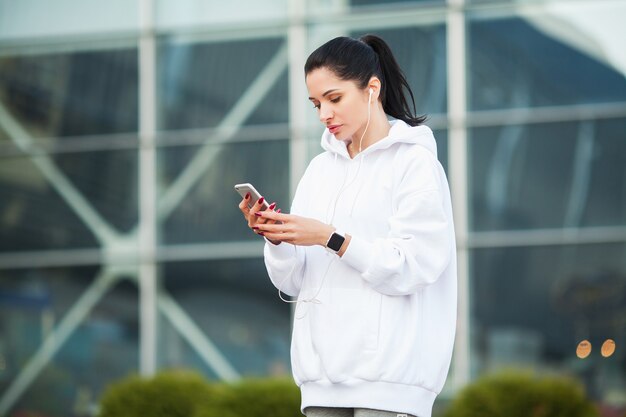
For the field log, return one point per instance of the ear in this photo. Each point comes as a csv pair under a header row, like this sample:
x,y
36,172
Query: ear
x,y
374,84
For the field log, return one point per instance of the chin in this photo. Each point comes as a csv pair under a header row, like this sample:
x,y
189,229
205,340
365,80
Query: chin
x,y
343,136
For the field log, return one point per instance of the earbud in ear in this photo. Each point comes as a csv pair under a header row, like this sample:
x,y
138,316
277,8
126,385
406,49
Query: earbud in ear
x,y
371,91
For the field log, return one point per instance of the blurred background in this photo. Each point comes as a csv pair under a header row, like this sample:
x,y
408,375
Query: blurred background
x,y
125,124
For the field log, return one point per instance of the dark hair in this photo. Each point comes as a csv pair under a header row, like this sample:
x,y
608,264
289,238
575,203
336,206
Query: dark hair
x,y
361,59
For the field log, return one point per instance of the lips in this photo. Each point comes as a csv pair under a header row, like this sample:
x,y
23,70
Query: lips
x,y
334,128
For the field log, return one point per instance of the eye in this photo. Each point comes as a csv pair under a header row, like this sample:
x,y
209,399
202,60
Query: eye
x,y
336,99
316,106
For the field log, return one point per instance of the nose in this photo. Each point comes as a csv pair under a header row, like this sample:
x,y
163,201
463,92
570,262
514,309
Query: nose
x,y
325,114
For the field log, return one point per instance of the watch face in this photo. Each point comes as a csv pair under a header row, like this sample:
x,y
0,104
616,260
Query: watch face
x,y
335,242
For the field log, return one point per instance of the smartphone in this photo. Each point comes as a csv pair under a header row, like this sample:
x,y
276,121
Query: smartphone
x,y
246,188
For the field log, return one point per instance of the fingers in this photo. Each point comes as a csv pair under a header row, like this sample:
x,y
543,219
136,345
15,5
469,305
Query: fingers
x,y
243,205
255,214
256,208
255,219
276,228
271,227
276,216
279,237
274,236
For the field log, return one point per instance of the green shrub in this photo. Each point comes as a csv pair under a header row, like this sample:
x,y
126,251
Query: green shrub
x,y
521,394
186,394
168,394
255,398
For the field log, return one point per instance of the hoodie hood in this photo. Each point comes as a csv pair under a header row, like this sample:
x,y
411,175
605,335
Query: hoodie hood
x,y
400,132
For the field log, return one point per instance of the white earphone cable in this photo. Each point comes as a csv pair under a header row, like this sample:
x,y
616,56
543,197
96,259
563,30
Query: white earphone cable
x,y
314,299
369,113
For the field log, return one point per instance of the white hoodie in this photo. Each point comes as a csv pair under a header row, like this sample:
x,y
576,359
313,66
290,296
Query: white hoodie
x,y
374,328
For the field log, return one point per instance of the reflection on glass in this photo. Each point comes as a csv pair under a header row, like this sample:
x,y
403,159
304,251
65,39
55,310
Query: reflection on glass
x,y
421,53
100,348
185,13
583,349
208,212
513,63
391,2
108,180
441,136
237,309
42,19
551,175
200,83
70,94
532,305
608,348
342,6
40,213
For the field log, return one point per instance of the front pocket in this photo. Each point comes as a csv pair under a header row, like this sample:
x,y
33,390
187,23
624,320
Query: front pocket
x,y
345,329
420,331
373,310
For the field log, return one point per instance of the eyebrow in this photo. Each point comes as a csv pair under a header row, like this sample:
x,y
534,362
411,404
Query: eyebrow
x,y
326,93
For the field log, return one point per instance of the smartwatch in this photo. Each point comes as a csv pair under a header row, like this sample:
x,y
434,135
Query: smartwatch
x,y
335,241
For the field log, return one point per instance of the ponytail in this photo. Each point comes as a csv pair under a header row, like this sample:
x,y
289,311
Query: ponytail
x,y
359,60
394,83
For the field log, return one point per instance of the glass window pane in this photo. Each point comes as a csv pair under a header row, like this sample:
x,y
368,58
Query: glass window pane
x,y
393,2
421,53
208,212
531,306
546,59
342,6
548,175
199,84
68,94
108,180
511,1
60,201
237,309
179,13
41,18
102,348
441,136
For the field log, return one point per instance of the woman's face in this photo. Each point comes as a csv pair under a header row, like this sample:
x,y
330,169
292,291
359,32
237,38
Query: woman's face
x,y
341,105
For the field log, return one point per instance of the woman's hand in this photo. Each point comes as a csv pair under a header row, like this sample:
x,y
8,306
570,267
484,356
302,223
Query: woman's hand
x,y
249,213
290,228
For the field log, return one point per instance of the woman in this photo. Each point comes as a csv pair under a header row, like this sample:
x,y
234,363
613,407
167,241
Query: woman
x,y
368,248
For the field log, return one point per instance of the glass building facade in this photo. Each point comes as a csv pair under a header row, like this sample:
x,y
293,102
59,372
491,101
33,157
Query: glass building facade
x,y
125,124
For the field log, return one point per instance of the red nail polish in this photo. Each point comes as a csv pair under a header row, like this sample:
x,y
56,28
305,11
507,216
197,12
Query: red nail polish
x,y
255,227
261,233
271,207
261,200
247,196
278,211
258,213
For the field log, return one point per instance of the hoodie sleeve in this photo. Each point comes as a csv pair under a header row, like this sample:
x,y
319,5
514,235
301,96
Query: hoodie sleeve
x,y
285,266
285,262
420,242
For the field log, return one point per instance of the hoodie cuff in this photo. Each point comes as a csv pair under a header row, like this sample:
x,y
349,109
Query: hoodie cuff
x,y
283,251
359,255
